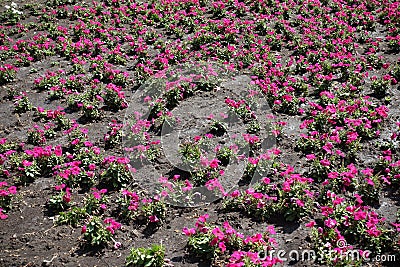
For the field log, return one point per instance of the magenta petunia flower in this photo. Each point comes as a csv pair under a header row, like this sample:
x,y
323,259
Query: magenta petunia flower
x,y
330,223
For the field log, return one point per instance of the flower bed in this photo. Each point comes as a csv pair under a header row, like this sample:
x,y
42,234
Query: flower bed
x,y
300,97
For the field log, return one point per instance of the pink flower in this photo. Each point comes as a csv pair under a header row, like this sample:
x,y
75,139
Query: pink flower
x,y
123,160
266,180
189,231
228,228
253,161
12,190
310,224
58,151
359,215
352,136
27,163
288,98
204,161
333,175
88,144
188,186
209,135
325,162
74,142
235,193
214,163
300,203
84,228
147,99
153,218
110,229
218,233
2,215
258,195
214,184
67,197
92,166
310,156
96,195
286,186
203,218
374,232
370,182
251,139
368,172
197,138
358,198
382,111
330,223
222,246
117,245
271,229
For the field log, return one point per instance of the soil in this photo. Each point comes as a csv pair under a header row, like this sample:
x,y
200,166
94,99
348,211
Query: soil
x,y
29,236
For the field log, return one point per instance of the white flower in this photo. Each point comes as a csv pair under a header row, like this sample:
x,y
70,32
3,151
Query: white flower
x,y
17,11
